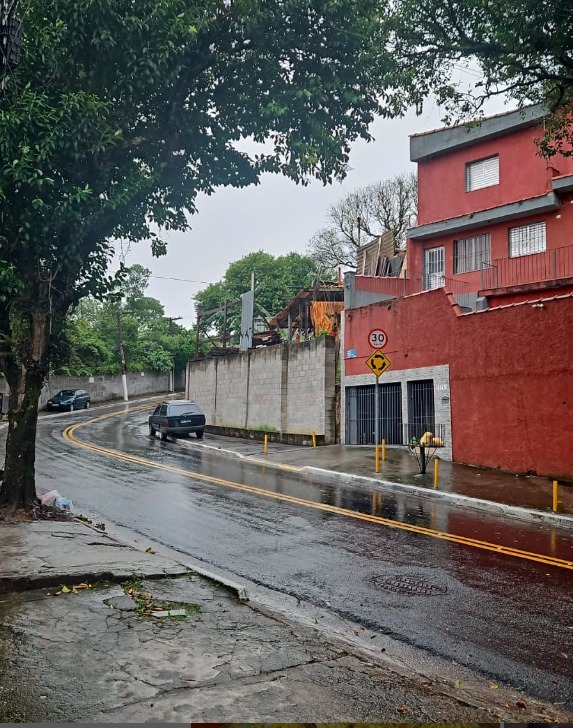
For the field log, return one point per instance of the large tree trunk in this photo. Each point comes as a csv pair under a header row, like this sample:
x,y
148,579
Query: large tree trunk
x,y
25,379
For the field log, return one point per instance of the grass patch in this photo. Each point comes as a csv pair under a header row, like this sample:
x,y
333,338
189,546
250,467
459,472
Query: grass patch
x,y
146,604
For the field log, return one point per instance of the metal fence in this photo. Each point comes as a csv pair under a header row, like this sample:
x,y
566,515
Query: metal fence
x,y
550,265
360,422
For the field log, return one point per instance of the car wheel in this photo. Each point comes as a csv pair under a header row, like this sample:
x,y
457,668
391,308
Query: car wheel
x,y
72,408
200,434
163,435
87,405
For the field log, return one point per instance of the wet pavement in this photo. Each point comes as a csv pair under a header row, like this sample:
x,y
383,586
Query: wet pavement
x,y
96,657
508,618
401,467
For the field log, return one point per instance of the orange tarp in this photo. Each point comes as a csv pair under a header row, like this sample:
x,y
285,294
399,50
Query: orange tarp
x,y
324,315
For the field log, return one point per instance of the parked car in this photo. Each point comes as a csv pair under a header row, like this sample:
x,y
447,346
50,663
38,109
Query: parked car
x,y
179,417
69,399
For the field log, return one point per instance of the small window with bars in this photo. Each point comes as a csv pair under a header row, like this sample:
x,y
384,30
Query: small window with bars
x,y
482,173
527,239
472,253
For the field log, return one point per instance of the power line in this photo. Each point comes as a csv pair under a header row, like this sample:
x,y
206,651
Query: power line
x,y
184,280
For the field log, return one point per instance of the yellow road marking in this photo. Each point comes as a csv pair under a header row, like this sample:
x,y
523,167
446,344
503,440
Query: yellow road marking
x,y
69,435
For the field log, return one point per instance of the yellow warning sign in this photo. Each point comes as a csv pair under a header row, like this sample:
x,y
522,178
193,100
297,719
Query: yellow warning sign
x,y
378,362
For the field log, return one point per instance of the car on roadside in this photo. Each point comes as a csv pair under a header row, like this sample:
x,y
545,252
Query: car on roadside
x,y
69,399
180,417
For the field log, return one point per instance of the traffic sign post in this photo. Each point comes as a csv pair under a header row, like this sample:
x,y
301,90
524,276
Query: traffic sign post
x,y
377,338
378,363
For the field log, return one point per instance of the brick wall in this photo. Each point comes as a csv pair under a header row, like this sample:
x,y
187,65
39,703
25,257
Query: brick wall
x,y
290,389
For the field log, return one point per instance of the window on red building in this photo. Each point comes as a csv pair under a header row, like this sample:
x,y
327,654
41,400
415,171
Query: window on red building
x,y
482,173
472,253
527,239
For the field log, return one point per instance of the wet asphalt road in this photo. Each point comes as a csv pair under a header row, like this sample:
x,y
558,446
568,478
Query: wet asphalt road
x,y
509,618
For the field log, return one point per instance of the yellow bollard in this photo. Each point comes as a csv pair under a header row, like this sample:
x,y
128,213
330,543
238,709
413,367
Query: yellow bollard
x,y
314,439
436,473
266,445
377,468
383,449
555,496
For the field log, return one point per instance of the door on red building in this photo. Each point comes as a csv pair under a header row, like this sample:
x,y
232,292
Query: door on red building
x,y
421,412
360,414
434,267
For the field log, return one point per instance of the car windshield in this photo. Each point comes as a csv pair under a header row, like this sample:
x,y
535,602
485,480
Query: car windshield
x,y
184,409
66,393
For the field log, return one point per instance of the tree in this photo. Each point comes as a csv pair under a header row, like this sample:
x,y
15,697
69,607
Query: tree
x,y
89,342
121,112
523,49
388,206
277,281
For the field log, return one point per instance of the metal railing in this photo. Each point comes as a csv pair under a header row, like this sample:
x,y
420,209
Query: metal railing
x,y
550,265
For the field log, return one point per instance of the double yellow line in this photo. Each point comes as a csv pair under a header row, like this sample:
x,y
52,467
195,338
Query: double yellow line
x,y
69,435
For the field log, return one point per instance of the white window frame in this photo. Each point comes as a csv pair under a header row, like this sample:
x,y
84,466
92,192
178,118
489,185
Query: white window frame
x,y
527,239
482,173
471,253
434,267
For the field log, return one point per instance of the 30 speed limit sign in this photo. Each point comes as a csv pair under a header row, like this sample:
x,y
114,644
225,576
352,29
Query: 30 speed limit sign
x,y
377,339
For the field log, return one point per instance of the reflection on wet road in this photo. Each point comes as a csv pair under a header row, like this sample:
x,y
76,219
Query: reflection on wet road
x,y
509,617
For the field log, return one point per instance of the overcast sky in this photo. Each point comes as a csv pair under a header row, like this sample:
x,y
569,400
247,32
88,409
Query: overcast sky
x,y
276,216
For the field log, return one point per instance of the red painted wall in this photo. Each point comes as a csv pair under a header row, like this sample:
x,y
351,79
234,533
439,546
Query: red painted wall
x,y
559,231
522,174
511,374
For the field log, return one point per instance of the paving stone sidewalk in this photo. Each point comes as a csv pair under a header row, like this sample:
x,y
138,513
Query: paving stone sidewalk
x,y
96,656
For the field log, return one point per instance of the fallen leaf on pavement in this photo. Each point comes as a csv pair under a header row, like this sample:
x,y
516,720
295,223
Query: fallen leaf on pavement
x,y
458,683
149,550
83,585
495,686
520,704
65,590
403,709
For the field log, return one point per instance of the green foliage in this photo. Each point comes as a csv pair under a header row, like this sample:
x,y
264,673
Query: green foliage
x,y
90,337
277,280
522,47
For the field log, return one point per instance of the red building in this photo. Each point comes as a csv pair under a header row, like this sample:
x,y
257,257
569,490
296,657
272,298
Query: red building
x,y
480,332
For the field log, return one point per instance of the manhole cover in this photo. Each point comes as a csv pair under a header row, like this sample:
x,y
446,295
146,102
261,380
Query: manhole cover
x,y
410,585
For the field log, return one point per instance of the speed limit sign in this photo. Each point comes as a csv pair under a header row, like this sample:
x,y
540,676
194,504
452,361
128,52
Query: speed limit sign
x,y
377,339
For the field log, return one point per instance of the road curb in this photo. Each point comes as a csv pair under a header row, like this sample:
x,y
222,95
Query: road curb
x,y
239,591
479,504
504,509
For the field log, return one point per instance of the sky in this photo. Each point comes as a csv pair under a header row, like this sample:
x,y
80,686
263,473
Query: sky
x,y
276,216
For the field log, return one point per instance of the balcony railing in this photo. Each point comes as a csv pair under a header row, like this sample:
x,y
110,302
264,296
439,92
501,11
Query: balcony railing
x,y
550,265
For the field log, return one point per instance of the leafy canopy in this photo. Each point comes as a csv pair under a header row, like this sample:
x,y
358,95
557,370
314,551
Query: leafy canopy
x,y
522,48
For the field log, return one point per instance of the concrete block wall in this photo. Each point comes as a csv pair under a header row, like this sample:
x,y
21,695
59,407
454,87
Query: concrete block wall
x,y
201,385
290,389
264,392
101,388
232,381
311,388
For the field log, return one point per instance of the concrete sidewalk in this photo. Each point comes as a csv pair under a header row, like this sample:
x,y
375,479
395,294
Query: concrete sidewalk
x,y
98,654
526,497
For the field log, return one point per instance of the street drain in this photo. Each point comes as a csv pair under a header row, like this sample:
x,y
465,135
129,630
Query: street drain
x,y
414,586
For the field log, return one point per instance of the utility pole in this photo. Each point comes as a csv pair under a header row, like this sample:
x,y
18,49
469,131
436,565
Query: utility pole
x,y
122,356
171,319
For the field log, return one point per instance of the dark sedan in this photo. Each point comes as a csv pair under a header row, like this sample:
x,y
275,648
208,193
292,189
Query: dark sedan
x,y
69,399
180,417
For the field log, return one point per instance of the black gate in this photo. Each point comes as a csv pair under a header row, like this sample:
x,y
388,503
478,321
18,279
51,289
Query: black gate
x,y
421,413
360,414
